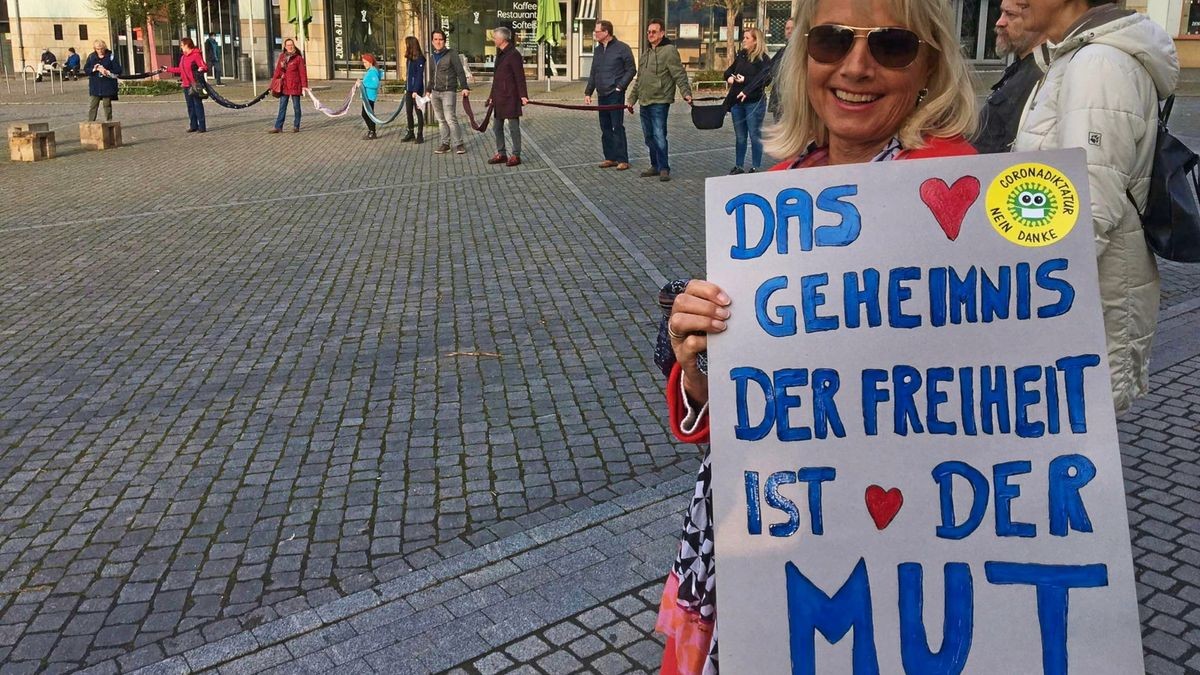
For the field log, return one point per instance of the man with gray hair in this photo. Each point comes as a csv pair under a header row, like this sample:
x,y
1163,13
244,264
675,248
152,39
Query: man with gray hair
x,y
509,94
612,71
1001,114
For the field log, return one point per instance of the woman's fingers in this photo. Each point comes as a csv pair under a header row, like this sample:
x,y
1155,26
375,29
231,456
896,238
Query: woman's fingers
x,y
707,290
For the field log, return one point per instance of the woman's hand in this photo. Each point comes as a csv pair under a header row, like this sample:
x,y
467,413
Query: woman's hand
x,y
701,309
741,97
730,80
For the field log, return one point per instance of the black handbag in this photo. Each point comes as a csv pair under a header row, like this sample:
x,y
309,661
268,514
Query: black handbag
x,y
196,88
708,116
1171,220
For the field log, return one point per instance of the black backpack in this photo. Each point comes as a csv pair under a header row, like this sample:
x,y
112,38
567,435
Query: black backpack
x,y
1171,220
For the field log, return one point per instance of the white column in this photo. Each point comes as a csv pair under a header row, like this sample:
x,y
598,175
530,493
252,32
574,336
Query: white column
x,y
1168,14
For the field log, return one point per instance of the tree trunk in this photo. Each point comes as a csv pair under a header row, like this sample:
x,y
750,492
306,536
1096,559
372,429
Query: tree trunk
x,y
731,14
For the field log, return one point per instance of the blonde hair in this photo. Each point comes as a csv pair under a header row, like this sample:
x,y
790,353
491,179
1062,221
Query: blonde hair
x,y
947,110
760,45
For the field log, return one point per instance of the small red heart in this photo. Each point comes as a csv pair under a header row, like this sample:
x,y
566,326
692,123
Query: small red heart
x,y
949,204
883,505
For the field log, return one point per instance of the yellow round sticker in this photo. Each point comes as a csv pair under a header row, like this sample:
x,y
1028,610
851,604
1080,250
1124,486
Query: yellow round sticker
x,y
1032,204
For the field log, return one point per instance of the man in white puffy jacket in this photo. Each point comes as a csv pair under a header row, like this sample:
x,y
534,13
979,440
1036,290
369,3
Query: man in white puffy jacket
x,y
1108,68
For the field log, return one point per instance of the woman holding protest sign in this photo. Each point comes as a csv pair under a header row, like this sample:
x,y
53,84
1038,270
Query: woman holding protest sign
x,y
867,81
1096,41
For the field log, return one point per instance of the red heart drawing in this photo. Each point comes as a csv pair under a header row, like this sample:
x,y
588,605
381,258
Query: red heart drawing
x,y
949,204
883,505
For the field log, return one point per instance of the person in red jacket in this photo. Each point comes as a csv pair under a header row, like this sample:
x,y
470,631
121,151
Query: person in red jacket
x,y
290,80
191,64
900,92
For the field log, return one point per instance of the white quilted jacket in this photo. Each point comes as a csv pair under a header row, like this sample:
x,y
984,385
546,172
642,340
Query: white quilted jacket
x,y
1101,93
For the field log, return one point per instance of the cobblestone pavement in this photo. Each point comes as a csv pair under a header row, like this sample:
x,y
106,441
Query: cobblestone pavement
x,y
308,403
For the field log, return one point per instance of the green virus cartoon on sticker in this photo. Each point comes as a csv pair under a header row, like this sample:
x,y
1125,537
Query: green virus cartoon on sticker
x,y
1032,204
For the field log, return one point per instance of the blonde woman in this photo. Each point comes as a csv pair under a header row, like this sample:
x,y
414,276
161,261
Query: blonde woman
x,y
863,81
748,76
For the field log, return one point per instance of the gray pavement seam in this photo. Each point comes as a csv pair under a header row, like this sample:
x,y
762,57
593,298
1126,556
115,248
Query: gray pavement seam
x,y
442,581
268,200
656,277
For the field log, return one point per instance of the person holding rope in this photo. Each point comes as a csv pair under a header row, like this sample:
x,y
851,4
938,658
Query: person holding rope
x,y
748,76
509,94
191,64
612,71
447,77
102,70
413,87
289,82
370,93
660,72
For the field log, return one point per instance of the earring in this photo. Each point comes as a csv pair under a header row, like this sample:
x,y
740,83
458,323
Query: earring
x,y
921,95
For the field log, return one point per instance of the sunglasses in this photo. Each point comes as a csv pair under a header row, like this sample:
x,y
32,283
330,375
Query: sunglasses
x,y
891,47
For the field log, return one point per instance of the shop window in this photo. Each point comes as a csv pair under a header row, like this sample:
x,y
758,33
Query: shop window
x,y
58,31
83,31
1193,20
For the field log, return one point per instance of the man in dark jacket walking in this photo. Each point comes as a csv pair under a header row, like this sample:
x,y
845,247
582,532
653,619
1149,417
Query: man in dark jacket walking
x,y
509,94
212,56
612,71
1001,114
102,71
447,77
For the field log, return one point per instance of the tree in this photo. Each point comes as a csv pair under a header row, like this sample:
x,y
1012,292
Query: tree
x,y
733,9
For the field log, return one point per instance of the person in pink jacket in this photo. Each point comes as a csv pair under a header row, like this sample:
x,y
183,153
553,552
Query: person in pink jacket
x,y
191,64
289,83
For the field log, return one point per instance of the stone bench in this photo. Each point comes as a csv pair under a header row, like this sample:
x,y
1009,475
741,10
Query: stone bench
x,y
100,135
30,146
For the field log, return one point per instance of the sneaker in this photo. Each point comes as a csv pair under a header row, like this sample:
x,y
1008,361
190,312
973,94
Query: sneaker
x,y
442,149
274,131
370,136
622,166
664,176
295,130
752,170
646,173
607,164
498,158
460,149
735,171
409,137
513,161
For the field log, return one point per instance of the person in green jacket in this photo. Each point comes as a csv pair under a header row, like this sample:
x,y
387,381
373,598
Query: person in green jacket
x,y
659,74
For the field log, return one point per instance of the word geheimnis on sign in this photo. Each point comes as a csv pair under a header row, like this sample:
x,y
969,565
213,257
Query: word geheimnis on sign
x,y
914,448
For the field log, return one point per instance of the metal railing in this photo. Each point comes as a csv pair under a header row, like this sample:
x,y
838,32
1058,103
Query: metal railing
x,y
26,70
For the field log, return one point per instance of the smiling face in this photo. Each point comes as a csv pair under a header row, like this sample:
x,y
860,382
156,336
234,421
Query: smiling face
x,y
861,103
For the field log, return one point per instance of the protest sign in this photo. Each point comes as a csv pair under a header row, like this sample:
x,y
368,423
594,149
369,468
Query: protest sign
x,y
914,449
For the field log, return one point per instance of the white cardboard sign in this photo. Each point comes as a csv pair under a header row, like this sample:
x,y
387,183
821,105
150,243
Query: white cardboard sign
x,y
914,451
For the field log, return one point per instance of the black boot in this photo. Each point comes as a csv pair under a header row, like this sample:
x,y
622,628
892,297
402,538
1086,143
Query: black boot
x,y
420,135
408,136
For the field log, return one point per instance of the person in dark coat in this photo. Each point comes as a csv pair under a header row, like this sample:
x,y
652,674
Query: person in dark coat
x,y
611,74
47,63
212,56
102,70
747,76
414,86
1001,114
508,96
292,74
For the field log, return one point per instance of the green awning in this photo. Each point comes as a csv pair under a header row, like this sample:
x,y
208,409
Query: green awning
x,y
298,8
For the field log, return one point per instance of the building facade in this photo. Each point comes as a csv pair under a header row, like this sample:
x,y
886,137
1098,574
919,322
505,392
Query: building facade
x,y
251,32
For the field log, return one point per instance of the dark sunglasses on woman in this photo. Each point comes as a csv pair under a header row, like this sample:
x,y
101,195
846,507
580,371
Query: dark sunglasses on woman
x,y
890,46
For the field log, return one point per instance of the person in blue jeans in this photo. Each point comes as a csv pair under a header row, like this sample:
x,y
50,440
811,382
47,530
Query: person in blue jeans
x,y
660,73
290,81
611,74
748,76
